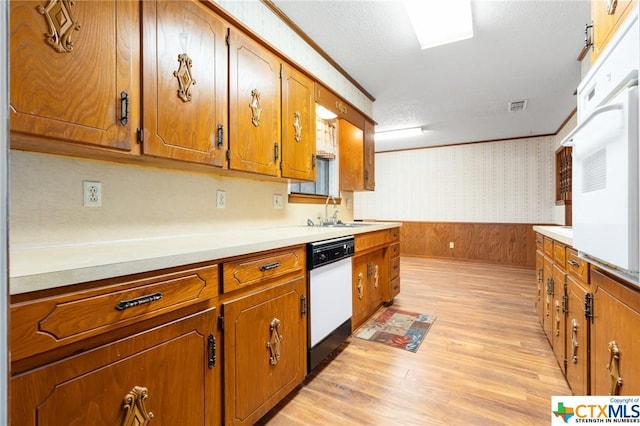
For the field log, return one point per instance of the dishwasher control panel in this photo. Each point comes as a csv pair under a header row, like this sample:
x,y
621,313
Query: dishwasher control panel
x,y
328,251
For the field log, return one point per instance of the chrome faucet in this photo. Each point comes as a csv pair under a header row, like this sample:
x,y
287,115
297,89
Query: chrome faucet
x,y
334,219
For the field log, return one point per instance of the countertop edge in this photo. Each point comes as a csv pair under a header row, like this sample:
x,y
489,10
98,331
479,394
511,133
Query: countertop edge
x,y
559,233
50,273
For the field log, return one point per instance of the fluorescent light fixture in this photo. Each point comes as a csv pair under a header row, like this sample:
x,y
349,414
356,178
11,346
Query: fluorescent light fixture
x,y
399,133
324,113
438,22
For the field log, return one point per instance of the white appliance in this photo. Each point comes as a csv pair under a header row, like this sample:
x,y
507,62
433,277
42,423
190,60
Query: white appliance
x,y
605,156
330,306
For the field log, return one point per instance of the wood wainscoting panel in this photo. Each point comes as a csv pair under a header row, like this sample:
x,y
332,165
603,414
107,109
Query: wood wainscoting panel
x,y
505,243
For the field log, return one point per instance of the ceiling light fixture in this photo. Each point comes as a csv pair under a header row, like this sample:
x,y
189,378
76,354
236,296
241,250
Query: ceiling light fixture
x,y
399,133
440,22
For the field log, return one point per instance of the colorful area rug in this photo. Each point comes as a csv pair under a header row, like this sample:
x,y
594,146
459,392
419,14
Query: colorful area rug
x,y
400,329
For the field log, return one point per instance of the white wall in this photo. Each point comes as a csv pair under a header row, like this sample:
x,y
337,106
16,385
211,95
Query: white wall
x,y
502,182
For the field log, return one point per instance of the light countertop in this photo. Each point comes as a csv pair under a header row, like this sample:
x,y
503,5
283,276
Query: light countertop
x,y
564,234
39,268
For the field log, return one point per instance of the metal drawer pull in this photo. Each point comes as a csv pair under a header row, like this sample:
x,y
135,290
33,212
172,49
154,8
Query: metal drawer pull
x,y
573,263
126,304
268,266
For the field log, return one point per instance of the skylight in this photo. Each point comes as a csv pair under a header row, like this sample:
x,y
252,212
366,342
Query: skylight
x,y
438,22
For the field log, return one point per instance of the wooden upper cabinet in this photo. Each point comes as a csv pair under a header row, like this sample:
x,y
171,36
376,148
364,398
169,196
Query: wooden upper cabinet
x,y
73,65
606,21
369,156
185,82
254,106
298,125
351,146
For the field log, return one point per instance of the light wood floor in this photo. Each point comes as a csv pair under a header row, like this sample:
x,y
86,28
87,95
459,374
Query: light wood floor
x,y
485,360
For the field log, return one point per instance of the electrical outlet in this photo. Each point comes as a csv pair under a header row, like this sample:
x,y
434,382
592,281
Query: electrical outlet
x,y
91,193
221,199
277,201
451,245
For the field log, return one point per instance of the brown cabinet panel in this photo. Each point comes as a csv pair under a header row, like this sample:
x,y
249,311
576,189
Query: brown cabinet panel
x,y
577,338
258,268
541,288
185,82
171,362
350,147
40,325
370,240
558,316
605,24
265,340
548,297
254,106
370,286
559,254
369,156
298,125
615,345
68,86
577,267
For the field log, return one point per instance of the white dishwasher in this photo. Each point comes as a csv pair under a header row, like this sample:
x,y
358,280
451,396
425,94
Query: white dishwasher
x,y
330,308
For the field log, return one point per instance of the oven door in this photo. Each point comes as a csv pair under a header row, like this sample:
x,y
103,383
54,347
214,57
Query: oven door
x,y
605,182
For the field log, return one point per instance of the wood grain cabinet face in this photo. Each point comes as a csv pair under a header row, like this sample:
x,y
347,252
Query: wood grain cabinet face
x,y
67,80
369,156
171,362
265,341
558,315
370,283
541,288
577,335
254,107
606,22
615,346
185,82
351,148
41,325
298,125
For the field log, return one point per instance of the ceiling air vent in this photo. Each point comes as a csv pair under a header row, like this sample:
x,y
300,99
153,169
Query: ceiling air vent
x,y
516,106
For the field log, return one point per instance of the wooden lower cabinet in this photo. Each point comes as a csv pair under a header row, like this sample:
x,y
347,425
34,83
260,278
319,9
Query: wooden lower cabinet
x,y
265,348
169,372
541,289
368,286
577,347
558,317
615,342
548,297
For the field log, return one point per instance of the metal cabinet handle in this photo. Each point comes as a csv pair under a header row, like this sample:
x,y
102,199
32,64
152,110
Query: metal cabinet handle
x,y
573,263
274,342
615,381
557,321
360,287
124,108
126,304
269,266
574,341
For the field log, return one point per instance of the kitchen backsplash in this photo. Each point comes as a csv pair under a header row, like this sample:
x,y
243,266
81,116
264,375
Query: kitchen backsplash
x,y
46,204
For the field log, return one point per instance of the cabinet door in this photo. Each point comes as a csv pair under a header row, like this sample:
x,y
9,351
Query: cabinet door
x,y
185,82
369,156
548,297
360,291
265,348
70,62
378,280
351,145
558,326
606,21
254,106
171,368
615,345
577,332
298,125
540,287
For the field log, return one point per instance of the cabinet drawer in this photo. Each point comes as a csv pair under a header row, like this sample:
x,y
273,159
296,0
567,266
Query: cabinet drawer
x,y
394,267
44,324
370,240
252,270
576,267
559,254
548,247
539,242
394,250
395,234
395,287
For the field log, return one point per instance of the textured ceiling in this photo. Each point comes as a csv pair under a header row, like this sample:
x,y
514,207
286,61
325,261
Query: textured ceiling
x,y
521,49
